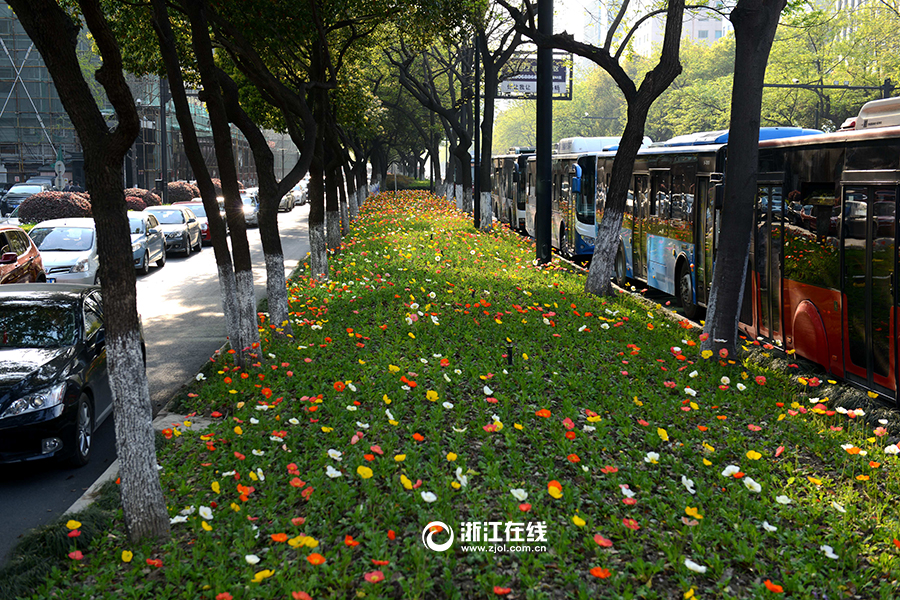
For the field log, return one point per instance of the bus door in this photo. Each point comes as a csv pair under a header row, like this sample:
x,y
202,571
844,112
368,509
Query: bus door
x,y
575,207
868,241
639,237
704,236
769,259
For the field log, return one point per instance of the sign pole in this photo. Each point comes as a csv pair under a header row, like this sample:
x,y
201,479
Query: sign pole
x,y
544,134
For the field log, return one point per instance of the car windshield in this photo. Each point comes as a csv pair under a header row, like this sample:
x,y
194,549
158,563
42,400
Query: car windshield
x,y
248,200
136,224
198,210
37,324
25,189
169,217
67,239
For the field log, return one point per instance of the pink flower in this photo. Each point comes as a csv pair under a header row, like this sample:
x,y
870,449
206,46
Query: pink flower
x,y
761,380
374,576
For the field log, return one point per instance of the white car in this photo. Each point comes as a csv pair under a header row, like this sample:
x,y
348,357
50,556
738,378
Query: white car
x,y
250,200
68,249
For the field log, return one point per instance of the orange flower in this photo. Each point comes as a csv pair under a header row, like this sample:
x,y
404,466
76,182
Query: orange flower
x,y
702,427
543,413
339,386
418,437
349,541
600,572
774,587
315,558
501,591
573,458
279,537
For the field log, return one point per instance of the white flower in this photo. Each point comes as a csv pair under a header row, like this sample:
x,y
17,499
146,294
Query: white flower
x,y
414,306
178,519
694,566
813,400
730,470
463,480
693,374
652,458
741,386
260,474
275,438
447,405
424,361
838,506
725,380
783,500
293,421
200,377
362,425
883,421
688,484
254,421
206,513
588,428
828,551
690,392
752,485
189,510
769,528
582,328
335,454
841,409
332,472
488,391
846,446
251,559
463,430
626,491
604,326
519,494
390,415
352,408
257,452
446,378
352,387
892,449
228,473
428,497
262,407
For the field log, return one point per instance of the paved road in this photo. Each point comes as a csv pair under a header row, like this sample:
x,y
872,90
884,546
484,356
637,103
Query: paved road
x,y
183,325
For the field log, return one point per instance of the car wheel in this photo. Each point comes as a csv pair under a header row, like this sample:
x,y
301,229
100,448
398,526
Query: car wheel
x,y
144,267
621,272
162,257
686,292
186,241
199,245
83,436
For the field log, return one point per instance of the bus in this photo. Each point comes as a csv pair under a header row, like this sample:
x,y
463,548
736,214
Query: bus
x,y
668,234
508,187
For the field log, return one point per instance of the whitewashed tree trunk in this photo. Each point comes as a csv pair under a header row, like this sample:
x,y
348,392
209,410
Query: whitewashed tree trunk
x,y
361,194
318,257
469,204
352,205
345,216
333,229
440,189
141,494
230,302
249,322
487,218
458,195
276,292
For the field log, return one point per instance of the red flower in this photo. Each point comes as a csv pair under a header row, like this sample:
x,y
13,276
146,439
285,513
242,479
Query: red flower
x,y
501,591
631,524
418,437
224,596
543,413
298,521
300,596
602,541
374,576
600,572
339,386
391,534
349,541
74,533
573,458
760,380
774,587
76,555
168,433
609,469
315,558
524,507
380,563
155,562
570,435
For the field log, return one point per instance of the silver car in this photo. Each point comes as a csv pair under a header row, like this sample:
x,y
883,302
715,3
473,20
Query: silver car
x,y
68,249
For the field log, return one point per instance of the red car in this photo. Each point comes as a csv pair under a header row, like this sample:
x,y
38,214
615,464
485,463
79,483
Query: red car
x,y
20,260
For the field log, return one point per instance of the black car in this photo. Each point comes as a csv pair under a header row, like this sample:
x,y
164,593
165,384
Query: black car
x,y
54,383
181,227
18,193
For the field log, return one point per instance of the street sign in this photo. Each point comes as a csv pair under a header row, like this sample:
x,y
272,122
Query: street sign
x,y
59,167
518,78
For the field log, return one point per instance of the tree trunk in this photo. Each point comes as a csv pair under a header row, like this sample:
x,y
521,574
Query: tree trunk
x,y
342,194
56,36
318,257
755,22
332,210
350,200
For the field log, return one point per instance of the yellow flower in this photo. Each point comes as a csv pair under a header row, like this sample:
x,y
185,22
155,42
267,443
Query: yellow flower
x,y
708,447
412,335
364,472
578,520
127,555
781,417
594,419
407,483
215,486
431,395
451,456
205,525
296,542
517,426
327,429
754,455
862,477
814,481
455,485
693,512
73,524
394,368
253,476
707,463
400,457
235,507
706,353
524,355
265,574
555,492
386,399
238,430
663,435
694,406
240,404
872,394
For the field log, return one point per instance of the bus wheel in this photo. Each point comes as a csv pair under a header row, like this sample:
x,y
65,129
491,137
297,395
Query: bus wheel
x,y
686,292
621,273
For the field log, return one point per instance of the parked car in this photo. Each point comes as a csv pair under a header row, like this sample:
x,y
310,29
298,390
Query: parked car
x,y
885,218
286,204
18,193
68,249
54,383
251,207
180,226
12,218
20,260
196,206
148,242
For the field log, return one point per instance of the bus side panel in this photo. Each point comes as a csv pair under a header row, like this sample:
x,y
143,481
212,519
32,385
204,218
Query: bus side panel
x,y
813,324
628,245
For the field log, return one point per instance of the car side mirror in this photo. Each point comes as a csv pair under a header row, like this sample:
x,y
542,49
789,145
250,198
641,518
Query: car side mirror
x,y
9,258
192,220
